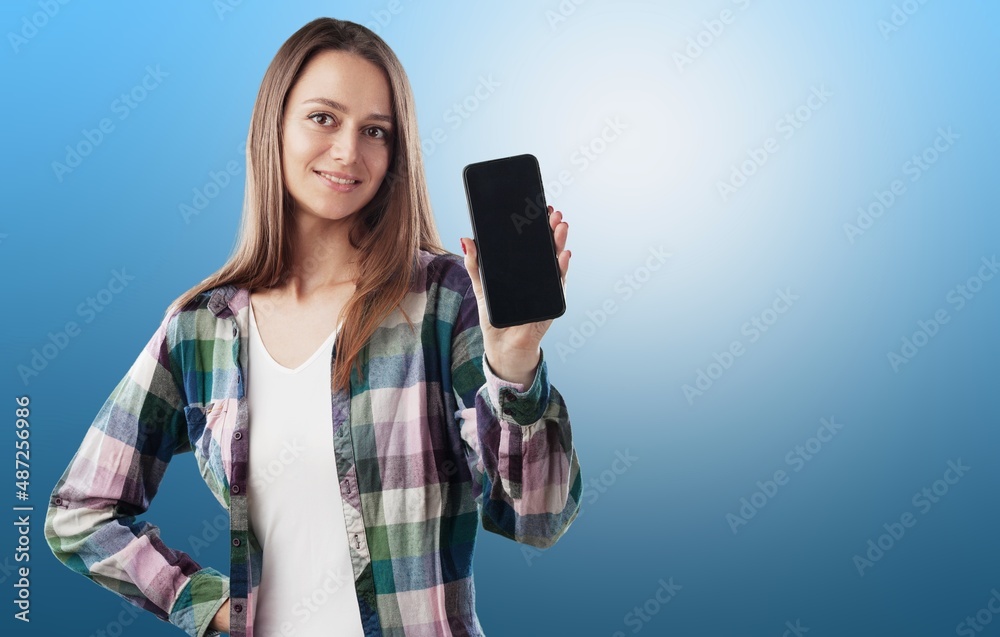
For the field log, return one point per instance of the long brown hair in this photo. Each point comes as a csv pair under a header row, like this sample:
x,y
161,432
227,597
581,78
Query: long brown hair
x,y
388,232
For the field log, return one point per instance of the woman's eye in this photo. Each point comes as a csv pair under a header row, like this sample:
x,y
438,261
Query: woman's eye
x,y
377,133
321,118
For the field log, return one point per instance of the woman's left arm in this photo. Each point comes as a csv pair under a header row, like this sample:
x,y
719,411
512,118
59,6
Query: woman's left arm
x,y
516,425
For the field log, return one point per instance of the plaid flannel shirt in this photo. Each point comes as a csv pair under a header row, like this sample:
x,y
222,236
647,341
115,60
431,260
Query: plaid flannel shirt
x,y
428,444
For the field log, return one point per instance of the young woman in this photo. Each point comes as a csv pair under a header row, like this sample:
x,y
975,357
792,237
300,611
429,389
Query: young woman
x,y
339,383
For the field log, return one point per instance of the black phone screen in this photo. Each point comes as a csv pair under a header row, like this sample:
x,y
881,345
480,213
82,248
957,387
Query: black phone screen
x,y
517,261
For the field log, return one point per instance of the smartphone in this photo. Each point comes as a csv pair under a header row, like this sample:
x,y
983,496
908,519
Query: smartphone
x,y
517,255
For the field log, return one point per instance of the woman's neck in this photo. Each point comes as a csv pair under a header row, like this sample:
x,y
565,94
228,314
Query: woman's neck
x,y
322,256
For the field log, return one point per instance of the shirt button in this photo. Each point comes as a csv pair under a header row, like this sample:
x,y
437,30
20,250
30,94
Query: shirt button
x,y
508,411
236,541
237,435
236,488
58,501
508,394
238,608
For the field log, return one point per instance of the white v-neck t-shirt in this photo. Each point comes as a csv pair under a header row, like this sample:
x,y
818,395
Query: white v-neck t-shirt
x,y
307,581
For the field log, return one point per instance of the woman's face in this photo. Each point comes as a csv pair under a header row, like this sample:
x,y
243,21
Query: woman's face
x,y
337,135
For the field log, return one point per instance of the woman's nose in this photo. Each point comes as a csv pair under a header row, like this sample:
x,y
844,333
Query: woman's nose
x,y
344,146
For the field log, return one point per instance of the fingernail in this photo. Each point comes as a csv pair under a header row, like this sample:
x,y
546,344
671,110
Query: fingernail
x,y
463,248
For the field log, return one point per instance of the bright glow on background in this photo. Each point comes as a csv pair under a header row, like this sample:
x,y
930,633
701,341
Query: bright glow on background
x,y
662,136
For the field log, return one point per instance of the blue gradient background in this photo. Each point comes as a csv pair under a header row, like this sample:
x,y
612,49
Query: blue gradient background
x,y
655,185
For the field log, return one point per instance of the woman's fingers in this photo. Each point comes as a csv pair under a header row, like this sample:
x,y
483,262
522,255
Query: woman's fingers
x,y
555,217
560,229
469,248
560,232
563,259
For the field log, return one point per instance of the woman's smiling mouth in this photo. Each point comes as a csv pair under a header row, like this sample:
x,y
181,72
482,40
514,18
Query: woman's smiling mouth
x,y
338,181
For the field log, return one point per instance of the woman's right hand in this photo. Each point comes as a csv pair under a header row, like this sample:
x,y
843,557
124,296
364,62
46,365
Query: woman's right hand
x,y
221,619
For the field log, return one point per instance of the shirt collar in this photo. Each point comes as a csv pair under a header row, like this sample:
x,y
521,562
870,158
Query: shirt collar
x,y
227,300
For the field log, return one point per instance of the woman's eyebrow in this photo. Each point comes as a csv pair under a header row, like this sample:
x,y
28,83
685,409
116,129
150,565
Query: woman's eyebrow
x,y
340,107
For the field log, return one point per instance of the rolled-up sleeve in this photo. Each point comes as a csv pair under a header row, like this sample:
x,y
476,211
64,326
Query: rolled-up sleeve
x,y
92,523
520,442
